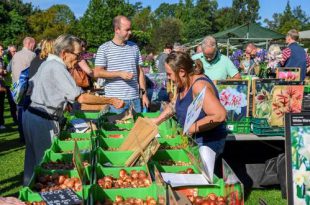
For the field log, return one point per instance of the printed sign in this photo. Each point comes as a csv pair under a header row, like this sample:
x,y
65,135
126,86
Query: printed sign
x,y
61,197
297,149
194,110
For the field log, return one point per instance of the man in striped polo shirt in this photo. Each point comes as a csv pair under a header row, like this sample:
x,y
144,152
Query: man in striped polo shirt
x,y
118,61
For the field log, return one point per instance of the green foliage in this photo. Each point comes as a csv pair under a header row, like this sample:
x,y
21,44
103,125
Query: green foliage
x,y
167,31
96,24
13,15
289,19
245,11
51,23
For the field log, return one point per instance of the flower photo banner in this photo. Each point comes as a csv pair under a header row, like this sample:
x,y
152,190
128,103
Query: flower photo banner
x,y
262,98
288,74
297,146
234,96
285,99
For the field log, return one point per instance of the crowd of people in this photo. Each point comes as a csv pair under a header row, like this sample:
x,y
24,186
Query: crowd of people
x,y
56,83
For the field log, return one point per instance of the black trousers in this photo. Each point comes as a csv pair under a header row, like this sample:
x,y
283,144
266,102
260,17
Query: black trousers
x,y
13,107
2,96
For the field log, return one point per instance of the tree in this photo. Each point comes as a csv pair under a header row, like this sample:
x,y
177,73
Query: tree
x,y
223,19
13,15
96,24
165,10
245,11
142,25
289,19
167,31
51,23
201,15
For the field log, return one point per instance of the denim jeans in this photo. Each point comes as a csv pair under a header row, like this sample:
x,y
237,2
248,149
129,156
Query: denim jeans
x,y
135,103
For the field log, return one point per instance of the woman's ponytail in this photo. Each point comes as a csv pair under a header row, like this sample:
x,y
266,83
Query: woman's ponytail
x,y
198,67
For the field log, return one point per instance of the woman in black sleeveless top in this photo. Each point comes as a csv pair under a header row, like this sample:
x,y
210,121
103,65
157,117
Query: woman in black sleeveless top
x,y
209,128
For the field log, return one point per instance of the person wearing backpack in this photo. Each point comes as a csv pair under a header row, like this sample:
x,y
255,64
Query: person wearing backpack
x,y
20,61
52,89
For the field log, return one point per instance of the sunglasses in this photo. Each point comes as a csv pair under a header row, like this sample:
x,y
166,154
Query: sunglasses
x,y
78,55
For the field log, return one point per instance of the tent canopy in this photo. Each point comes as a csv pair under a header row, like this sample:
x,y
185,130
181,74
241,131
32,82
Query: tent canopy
x,y
304,34
250,30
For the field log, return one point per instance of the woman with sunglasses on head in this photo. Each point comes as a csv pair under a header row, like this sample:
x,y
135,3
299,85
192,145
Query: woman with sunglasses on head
x,y
52,89
209,128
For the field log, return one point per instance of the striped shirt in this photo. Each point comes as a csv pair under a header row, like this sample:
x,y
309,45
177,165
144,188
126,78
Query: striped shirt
x,y
120,58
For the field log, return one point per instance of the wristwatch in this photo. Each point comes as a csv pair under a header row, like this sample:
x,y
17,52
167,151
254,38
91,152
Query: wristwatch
x,y
142,91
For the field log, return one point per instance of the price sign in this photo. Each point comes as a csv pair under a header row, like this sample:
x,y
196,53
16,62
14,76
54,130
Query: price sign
x,y
61,197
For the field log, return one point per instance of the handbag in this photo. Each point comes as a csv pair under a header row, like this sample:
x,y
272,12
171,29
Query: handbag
x,y
80,77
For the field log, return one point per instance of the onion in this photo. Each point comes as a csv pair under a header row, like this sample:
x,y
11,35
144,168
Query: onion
x,y
122,173
107,179
212,197
189,171
198,200
221,199
134,174
141,174
119,199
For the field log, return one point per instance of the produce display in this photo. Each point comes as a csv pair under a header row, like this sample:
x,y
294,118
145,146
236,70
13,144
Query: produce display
x,y
74,139
115,136
108,181
211,199
71,151
36,203
57,181
134,179
119,200
187,171
170,162
164,147
60,165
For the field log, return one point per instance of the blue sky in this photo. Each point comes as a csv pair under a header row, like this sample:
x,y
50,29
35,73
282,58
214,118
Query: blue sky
x,y
267,7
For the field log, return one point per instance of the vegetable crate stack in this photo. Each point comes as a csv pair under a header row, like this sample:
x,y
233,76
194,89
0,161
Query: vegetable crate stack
x,y
123,162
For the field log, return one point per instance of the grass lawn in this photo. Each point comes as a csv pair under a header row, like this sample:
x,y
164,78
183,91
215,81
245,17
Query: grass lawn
x,y
12,162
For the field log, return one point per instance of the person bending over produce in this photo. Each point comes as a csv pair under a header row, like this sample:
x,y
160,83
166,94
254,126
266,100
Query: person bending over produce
x,y
209,128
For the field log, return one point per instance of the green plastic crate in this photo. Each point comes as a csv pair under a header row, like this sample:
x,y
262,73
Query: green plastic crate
x,y
112,159
68,146
275,131
260,123
85,115
173,155
176,169
115,127
101,172
71,135
50,156
307,89
165,143
30,194
261,127
99,194
217,188
106,143
105,134
147,114
239,127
